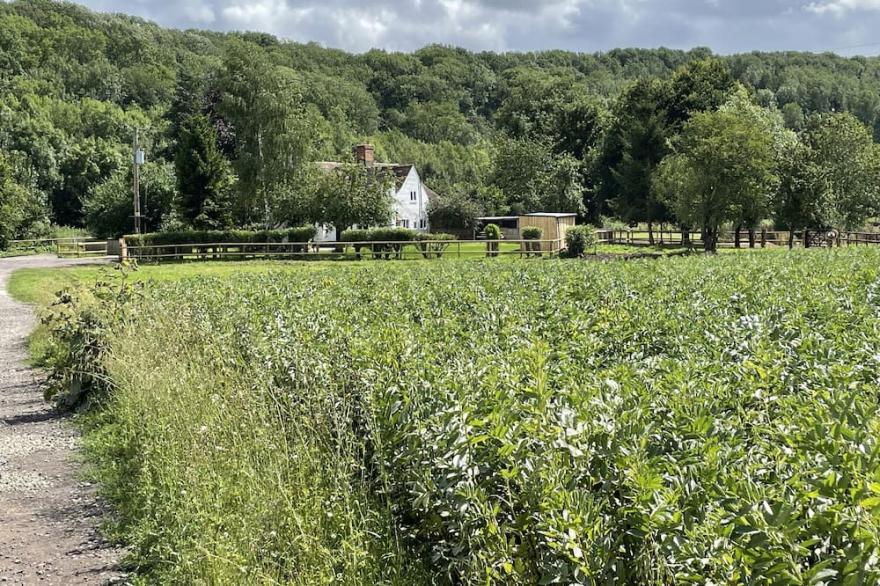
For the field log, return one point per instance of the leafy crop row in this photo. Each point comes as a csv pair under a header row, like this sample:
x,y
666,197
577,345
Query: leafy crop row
x,y
699,420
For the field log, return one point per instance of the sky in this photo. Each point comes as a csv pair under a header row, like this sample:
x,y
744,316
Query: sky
x,y
726,26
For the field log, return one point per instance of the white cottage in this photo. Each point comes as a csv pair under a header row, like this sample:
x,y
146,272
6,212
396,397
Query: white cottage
x,y
410,194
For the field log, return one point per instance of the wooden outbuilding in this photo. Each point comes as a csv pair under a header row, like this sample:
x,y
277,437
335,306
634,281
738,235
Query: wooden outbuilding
x,y
553,226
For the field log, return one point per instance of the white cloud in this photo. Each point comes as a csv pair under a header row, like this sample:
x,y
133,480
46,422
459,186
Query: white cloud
x,y
839,7
582,25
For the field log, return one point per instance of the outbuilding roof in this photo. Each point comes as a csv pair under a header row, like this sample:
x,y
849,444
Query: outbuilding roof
x,y
552,215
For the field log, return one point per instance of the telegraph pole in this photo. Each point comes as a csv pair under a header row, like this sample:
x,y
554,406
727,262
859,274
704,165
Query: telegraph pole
x,y
138,161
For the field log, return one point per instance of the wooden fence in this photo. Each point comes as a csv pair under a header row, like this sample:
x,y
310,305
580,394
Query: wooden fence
x,y
344,250
763,238
66,247
403,250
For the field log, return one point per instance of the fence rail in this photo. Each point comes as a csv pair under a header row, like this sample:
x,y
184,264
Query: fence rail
x,y
67,247
763,238
335,250
437,248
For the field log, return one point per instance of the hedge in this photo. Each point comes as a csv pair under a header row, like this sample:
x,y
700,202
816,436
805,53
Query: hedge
x,y
432,245
301,234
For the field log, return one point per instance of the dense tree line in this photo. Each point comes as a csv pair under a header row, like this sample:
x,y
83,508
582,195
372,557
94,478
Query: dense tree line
x,y
232,122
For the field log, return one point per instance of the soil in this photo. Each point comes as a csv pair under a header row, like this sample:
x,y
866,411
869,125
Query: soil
x,y
49,516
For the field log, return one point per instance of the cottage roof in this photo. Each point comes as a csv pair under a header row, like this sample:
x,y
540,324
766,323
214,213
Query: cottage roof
x,y
399,171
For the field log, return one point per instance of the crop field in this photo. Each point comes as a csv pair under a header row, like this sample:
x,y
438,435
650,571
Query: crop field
x,y
686,420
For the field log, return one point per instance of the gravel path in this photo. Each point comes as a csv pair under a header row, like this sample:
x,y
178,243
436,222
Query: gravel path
x,y
48,516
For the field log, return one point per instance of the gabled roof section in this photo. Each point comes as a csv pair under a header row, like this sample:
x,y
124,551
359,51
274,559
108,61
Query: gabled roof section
x,y
399,171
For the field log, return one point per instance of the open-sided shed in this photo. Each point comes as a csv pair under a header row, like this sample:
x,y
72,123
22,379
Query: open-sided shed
x,y
553,226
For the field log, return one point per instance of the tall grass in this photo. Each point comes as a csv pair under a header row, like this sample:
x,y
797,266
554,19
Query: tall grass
x,y
672,421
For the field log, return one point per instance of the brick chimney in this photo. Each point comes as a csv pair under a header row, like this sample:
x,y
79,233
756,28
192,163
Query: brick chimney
x,y
364,154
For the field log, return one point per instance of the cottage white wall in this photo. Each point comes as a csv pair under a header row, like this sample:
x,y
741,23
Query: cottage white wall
x,y
325,233
408,213
403,208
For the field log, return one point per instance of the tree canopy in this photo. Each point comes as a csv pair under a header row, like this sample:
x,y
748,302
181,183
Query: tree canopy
x,y
238,119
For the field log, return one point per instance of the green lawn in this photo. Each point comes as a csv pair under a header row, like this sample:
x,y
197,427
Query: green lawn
x,y
39,286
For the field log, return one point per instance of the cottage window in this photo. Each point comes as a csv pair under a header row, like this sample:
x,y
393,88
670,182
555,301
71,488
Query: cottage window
x,y
412,196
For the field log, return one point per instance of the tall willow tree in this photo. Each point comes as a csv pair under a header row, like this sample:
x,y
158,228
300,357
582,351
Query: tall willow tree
x,y
273,131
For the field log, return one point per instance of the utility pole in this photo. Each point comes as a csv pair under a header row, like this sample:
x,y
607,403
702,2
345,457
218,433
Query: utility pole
x,y
138,161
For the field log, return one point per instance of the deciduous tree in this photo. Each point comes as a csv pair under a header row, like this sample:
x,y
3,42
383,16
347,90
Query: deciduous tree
x,y
720,159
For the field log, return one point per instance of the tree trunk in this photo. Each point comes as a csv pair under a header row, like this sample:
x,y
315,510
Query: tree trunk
x,y
710,240
662,227
686,236
790,237
651,233
736,232
763,237
340,248
751,237
806,238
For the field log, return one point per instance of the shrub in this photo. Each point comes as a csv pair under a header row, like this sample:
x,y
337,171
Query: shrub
x,y
386,240
532,233
432,245
579,239
301,234
492,232
79,324
355,235
196,239
392,235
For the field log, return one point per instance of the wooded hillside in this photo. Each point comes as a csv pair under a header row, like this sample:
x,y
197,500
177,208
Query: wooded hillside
x,y
229,121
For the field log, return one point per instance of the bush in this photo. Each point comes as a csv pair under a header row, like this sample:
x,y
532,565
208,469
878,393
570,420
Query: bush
x,y
392,235
492,232
389,237
79,324
301,234
432,245
532,233
580,238
355,235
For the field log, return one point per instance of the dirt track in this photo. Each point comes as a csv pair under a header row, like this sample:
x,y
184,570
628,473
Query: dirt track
x,y
49,517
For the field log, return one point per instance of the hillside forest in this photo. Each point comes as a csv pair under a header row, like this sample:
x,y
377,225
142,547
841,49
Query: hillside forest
x,y
232,122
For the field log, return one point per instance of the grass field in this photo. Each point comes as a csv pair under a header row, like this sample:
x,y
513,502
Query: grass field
x,y
39,286
682,420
